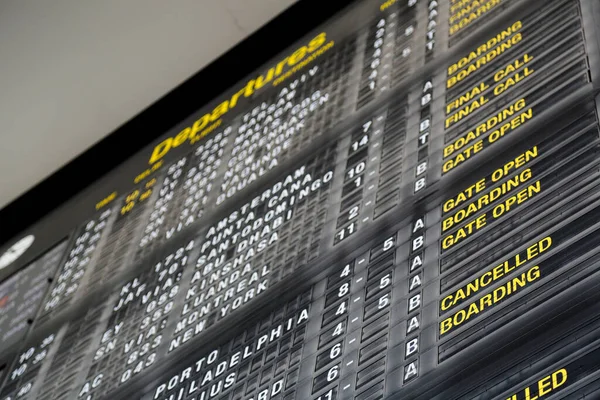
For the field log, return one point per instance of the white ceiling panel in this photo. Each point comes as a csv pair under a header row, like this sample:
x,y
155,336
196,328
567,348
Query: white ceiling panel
x,y
72,71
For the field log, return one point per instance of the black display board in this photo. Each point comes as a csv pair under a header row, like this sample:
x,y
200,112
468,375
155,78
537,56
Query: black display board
x,y
395,199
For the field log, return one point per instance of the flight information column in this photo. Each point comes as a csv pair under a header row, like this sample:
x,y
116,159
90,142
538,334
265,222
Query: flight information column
x,y
23,373
206,162
495,90
260,362
421,134
373,170
507,249
65,371
369,340
134,336
507,207
388,54
161,206
516,237
22,294
568,365
79,266
51,366
277,231
492,230
123,235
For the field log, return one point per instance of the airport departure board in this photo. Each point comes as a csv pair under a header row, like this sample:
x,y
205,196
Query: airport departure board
x,y
403,204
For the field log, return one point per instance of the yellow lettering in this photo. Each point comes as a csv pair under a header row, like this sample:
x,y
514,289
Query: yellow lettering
x,y
317,42
463,156
476,60
559,378
191,133
497,272
106,200
489,300
161,150
464,232
543,387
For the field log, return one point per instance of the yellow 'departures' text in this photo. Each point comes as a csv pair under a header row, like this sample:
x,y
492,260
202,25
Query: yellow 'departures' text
x,y
486,199
493,275
208,122
486,302
543,387
484,54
